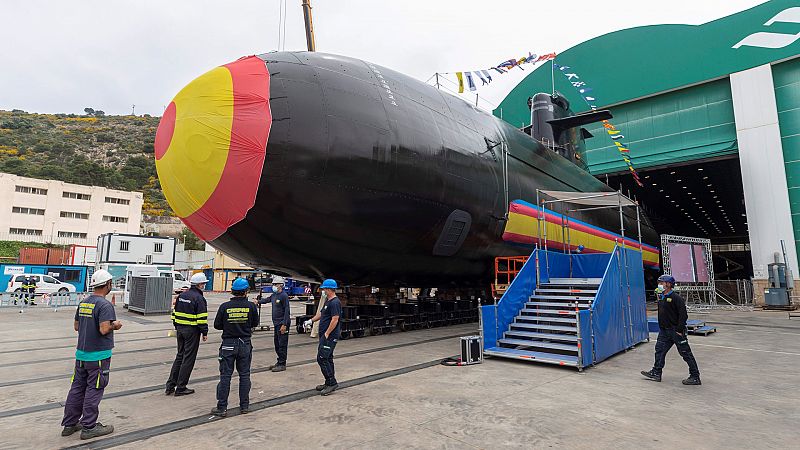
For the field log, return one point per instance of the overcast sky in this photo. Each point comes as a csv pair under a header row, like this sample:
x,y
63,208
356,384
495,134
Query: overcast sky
x,y
63,56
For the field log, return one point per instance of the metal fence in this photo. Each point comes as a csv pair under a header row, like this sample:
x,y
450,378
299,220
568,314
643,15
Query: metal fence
x,y
17,301
46,239
731,295
735,292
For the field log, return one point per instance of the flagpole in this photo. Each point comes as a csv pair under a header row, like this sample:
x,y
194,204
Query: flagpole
x,y
553,74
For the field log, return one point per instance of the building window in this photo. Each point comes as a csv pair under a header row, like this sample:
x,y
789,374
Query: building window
x,y
71,234
77,195
118,201
115,219
158,247
31,190
25,231
72,275
124,246
24,210
74,215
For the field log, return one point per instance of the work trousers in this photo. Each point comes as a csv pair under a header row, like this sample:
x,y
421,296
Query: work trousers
x,y
188,344
325,359
668,338
239,353
281,344
89,380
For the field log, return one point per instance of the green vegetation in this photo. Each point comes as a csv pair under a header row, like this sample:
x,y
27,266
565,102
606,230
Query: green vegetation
x,y
94,149
10,249
191,241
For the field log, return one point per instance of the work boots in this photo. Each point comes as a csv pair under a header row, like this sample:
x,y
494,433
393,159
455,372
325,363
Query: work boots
x,y
652,375
98,430
181,392
70,430
278,368
328,390
692,381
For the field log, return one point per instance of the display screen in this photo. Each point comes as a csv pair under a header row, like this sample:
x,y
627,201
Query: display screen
x,y
688,263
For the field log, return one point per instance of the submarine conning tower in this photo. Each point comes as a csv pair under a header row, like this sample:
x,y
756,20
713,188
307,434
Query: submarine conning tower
x,y
554,125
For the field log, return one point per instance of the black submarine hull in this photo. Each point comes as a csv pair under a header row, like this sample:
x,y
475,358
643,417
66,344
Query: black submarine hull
x,y
374,178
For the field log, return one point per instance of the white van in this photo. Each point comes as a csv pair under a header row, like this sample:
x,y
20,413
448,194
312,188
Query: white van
x,y
179,283
45,284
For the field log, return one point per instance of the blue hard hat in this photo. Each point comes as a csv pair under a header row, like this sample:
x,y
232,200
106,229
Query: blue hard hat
x,y
667,279
240,284
329,284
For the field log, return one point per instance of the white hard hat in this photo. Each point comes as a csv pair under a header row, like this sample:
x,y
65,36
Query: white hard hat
x,y
198,278
100,278
278,280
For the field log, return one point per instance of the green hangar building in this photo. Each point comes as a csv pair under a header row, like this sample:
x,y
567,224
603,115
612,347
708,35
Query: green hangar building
x,y
711,116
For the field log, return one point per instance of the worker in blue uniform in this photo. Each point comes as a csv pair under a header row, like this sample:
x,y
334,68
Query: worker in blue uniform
x,y
95,322
280,321
329,330
190,318
236,318
672,318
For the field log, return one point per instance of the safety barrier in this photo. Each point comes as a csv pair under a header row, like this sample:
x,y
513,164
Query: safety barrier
x,y
61,300
16,300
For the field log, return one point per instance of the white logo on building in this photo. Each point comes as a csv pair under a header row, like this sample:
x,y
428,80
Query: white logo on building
x,y
13,270
765,39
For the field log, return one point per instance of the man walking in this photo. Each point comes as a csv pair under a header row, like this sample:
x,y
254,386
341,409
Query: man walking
x,y
672,318
190,317
280,321
95,322
329,328
236,318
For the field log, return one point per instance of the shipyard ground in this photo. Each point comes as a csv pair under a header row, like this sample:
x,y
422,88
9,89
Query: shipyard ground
x,y
394,393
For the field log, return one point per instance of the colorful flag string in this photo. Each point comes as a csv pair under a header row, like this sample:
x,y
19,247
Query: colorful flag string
x,y
484,75
613,132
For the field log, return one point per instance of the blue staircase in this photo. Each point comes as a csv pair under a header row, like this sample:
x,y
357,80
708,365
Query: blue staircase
x,y
576,320
546,328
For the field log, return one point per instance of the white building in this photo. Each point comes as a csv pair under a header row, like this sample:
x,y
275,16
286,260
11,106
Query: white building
x,y
64,213
191,261
126,249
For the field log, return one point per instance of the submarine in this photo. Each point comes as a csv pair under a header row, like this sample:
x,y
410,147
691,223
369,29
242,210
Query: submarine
x,y
314,166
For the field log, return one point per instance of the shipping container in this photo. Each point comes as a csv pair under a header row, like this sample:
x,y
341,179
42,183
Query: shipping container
x,y
39,255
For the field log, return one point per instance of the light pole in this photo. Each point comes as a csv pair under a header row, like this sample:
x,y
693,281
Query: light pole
x,y
52,231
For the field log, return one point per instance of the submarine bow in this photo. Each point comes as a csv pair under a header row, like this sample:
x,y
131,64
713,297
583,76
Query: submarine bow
x,y
211,143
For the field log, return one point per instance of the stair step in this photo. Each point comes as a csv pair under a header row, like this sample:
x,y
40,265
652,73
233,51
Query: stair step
x,y
539,344
534,326
571,305
545,319
503,352
513,334
575,281
556,312
567,291
562,297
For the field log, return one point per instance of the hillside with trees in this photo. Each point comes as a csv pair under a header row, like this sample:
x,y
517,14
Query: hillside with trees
x,y
91,149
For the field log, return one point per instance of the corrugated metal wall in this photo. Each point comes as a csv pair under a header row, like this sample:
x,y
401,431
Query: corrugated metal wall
x,y
786,77
684,125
